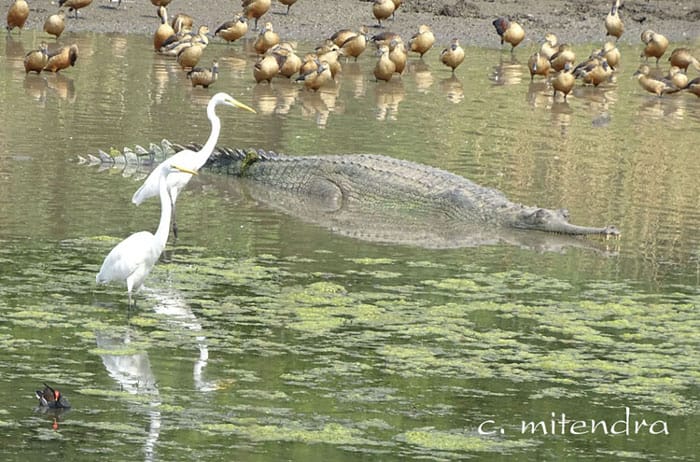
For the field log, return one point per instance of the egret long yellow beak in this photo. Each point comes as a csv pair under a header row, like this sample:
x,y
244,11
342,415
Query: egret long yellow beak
x,y
185,170
234,102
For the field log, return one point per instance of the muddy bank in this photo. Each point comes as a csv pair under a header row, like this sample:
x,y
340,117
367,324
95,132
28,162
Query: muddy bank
x,y
470,21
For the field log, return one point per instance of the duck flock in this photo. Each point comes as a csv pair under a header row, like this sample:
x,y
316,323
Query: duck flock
x,y
556,62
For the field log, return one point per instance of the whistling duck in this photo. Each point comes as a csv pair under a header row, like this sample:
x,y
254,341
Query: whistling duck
x,y
385,67
330,53
682,58
267,38
17,15
48,397
287,60
233,30
565,55
36,60
549,46
255,9
382,9
342,36
55,24
265,68
538,65
203,76
74,5
595,72
657,86
564,81
611,54
288,4
677,77
656,45
161,2
694,86
353,45
384,38
164,31
189,56
453,55
397,4
398,54
422,41
613,24
510,31
62,58
173,45
315,79
182,23
308,64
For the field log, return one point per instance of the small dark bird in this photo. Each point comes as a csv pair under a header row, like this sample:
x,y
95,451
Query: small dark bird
x,y
48,397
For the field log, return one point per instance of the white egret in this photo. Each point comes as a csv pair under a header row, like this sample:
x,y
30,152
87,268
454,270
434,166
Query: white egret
x,y
186,158
133,258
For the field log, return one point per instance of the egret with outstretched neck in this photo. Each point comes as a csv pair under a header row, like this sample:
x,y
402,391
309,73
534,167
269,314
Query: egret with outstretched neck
x,y
186,158
132,259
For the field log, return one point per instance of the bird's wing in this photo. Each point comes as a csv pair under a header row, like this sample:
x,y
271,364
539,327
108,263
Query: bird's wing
x,y
125,257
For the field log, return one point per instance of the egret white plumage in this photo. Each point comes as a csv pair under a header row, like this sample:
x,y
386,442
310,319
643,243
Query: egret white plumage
x,y
186,158
133,258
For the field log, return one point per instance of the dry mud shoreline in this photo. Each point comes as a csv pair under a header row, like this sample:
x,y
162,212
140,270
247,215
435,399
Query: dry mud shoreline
x,y
470,21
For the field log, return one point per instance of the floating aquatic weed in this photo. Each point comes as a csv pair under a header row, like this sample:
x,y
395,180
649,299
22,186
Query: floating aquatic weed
x,y
330,433
458,441
114,394
372,261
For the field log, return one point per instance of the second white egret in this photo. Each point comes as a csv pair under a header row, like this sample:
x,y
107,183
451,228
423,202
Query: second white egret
x,y
186,158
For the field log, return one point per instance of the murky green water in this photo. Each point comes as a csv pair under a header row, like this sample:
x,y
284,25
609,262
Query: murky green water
x,y
264,336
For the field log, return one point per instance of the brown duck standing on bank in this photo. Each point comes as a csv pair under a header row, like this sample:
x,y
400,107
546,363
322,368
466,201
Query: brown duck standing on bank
x,y
657,86
203,76
683,58
55,24
265,68
509,31
161,2
62,58
677,77
17,15
397,4
36,60
453,55
611,54
267,38
398,55
315,79
74,5
385,67
287,60
538,65
656,45
354,44
382,9
422,41
564,81
288,4
255,9
233,30
164,31
565,55
549,46
189,56
613,23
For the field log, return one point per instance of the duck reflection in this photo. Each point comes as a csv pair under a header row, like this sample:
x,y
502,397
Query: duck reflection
x,y
352,73
387,97
35,86
508,71
265,99
561,116
538,94
421,75
453,88
319,104
62,86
